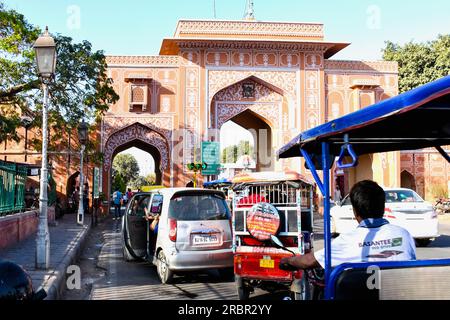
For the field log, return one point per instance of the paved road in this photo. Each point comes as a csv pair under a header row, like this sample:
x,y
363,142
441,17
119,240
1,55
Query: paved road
x,y
106,276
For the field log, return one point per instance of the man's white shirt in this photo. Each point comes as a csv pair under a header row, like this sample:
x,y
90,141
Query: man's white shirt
x,y
372,240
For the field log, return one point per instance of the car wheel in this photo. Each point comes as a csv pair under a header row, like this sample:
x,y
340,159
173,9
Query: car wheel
x,y
162,267
423,242
243,290
226,273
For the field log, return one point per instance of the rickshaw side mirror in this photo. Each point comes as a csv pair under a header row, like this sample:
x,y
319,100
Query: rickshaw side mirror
x,y
277,243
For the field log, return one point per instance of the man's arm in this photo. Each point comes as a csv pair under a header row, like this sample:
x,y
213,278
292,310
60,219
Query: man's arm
x,y
307,261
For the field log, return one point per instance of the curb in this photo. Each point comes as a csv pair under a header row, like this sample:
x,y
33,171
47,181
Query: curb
x,y
56,283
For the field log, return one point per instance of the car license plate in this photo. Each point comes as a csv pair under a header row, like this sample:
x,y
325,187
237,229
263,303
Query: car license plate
x,y
205,239
267,263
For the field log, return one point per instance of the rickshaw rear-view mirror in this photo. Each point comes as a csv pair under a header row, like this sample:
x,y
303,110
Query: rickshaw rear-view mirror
x,y
276,242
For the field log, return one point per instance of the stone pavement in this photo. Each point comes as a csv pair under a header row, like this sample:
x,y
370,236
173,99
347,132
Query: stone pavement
x,y
66,241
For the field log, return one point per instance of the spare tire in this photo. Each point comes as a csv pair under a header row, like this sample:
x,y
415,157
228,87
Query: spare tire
x,y
263,221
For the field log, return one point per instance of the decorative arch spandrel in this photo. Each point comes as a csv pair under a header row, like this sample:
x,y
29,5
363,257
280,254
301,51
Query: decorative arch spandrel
x,y
134,132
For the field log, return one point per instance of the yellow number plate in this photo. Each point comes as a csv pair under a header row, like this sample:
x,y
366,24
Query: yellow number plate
x,y
269,264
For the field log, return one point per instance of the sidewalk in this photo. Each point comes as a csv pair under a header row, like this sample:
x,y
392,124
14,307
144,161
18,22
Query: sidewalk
x,y
66,241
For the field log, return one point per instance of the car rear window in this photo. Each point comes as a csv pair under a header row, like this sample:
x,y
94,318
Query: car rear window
x,y
397,196
195,207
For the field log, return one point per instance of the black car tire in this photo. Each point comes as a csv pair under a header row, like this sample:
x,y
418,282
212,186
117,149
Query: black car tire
x,y
164,273
243,290
423,242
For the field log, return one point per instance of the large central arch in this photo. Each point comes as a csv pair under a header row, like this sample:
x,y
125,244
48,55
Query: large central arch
x,y
260,114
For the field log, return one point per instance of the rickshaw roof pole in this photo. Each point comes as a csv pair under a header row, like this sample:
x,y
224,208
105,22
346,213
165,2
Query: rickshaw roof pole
x,y
326,210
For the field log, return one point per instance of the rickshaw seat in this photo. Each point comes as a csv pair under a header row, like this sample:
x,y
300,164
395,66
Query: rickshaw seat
x,y
396,280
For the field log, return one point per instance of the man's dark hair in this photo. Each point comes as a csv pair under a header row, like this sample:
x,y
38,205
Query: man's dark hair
x,y
368,199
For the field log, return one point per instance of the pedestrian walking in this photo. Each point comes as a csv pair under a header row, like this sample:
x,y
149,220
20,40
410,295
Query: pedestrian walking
x,y
86,198
117,200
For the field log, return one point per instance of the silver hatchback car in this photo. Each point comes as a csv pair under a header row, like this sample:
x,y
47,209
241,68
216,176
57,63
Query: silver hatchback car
x,y
194,231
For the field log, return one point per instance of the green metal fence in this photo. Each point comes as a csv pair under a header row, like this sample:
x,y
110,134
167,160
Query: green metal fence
x,y
12,187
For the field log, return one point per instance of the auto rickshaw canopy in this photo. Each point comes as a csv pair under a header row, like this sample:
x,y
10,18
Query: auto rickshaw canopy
x,y
417,119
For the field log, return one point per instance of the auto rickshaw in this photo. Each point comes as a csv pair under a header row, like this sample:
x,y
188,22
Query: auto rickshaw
x,y
270,204
414,120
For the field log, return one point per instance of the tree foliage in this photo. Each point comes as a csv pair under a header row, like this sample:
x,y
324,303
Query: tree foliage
x,y
119,183
81,88
231,154
141,181
420,63
126,166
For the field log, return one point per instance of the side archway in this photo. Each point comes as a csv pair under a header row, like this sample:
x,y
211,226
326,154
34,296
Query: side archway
x,y
141,136
408,181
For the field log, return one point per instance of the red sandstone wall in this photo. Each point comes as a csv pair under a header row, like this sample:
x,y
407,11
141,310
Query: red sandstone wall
x,y
17,227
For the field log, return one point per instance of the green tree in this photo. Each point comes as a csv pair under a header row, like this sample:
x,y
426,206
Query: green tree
x,y
81,88
232,153
151,178
118,183
126,166
141,181
420,63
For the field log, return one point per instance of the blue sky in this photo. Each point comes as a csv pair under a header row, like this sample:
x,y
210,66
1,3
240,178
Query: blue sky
x,y
136,27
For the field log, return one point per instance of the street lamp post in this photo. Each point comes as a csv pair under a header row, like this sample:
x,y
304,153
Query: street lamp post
x,y
82,138
45,49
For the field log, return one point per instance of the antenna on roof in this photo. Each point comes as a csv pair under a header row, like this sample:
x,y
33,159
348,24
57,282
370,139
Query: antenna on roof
x,y
249,11
214,5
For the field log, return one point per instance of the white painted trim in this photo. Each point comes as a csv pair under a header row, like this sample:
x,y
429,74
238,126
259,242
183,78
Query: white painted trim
x,y
140,66
207,106
299,95
366,72
248,102
236,68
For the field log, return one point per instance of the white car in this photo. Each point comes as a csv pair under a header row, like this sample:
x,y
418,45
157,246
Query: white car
x,y
404,208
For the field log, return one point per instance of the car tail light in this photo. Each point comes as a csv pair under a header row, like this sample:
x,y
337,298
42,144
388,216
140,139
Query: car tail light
x,y
289,242
388,213
173,230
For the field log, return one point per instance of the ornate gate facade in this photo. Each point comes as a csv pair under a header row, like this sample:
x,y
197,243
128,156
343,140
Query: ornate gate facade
x,y
276,74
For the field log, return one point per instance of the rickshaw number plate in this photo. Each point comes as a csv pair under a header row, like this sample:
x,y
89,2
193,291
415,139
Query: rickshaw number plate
x,y
268,264
205,239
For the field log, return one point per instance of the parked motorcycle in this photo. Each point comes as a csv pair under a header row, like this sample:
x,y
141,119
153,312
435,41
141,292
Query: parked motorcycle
x,y
442,206
16,284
